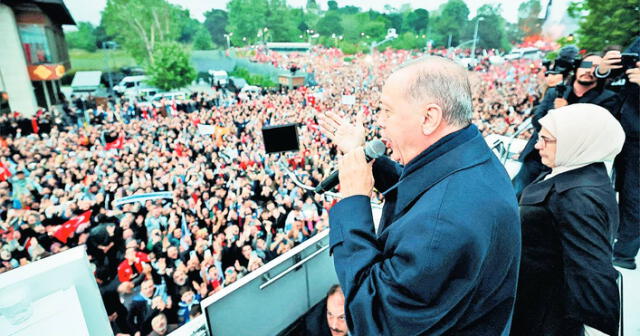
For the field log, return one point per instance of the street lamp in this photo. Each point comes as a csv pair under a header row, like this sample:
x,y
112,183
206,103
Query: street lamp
x,y
475,38
228,36
109,45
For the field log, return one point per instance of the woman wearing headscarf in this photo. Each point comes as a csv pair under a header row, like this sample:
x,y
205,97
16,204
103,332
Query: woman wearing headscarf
x,y
569,217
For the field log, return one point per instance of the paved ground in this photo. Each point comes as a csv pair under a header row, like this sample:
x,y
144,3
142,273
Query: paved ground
x,y
631,300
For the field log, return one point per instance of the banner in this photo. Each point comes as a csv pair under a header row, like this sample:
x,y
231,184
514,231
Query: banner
x,y
206,129
348,99
71,226
144,197
5,173
115,144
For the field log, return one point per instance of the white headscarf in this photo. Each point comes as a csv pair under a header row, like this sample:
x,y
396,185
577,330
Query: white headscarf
x,y
585,134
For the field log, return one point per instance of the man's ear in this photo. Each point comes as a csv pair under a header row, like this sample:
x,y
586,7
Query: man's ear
x,y
432,114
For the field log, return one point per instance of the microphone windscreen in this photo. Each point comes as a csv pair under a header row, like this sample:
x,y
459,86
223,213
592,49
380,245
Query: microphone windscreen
x,y
374,149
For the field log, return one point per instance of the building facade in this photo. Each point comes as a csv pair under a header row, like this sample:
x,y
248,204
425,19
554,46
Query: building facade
x,y
34,54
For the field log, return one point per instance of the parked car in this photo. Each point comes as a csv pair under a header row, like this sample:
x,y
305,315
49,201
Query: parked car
x,y
155,99
130,85
219,77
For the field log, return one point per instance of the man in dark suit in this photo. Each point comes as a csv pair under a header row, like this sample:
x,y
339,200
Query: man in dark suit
x,y
445,257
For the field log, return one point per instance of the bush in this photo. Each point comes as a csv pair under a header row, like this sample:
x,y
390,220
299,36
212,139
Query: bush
x,y
258,80
171,68
349,48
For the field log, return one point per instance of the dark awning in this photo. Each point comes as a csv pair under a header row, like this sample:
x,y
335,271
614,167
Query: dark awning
x,y
56,10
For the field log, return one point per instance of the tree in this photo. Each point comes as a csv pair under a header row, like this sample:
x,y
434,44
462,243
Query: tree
x,y
395,20
452,20
349,10
83,38
101,35
513,32
140,25
282,21
171,68
491,31
418,20
528,17
606,22
202,40
245,18
330,24
312,6
189,26
333,5
215,22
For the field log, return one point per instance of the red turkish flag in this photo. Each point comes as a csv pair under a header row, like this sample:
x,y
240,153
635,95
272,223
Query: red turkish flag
x,y
69,227
116,144
4,172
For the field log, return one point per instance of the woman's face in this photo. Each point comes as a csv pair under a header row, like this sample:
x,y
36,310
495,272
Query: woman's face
x,y
546,145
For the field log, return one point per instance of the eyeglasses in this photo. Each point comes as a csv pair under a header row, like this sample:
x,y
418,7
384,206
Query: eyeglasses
x,y
546,140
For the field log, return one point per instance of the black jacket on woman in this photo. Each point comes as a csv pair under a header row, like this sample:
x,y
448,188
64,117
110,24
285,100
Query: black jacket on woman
x,y
567,279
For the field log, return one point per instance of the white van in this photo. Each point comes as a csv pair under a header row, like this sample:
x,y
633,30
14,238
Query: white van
x,y
168,96
528,53
219,76
131,84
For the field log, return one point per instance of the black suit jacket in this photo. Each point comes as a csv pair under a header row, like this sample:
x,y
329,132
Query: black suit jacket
x,y
566,277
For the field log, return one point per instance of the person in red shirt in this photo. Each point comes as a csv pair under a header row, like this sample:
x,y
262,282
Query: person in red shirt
x,y
131,266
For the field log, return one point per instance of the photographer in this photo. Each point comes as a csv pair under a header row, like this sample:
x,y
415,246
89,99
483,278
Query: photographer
x,y
621,69
583,87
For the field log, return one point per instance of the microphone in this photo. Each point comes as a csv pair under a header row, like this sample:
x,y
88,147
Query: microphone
x,y
372,150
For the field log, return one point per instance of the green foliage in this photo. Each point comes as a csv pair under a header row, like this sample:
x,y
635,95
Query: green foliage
x,y
171,68
606,22
101,59
452,20
312,5
513,33
189,27
84,38
331,23
215,22
528,21
248,18
202,40
408,40
349,10
551,55
333,5
418,20
491,31
101,35
349,48
258,80
139,25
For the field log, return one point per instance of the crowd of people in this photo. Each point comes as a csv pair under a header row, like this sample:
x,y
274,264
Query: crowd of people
x,y
232,207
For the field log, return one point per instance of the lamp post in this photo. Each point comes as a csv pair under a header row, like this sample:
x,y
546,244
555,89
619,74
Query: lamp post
x,y
228,37
109,45
475,38
310,35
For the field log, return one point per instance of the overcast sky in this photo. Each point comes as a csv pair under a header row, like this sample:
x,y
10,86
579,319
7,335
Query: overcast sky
x,y
83,10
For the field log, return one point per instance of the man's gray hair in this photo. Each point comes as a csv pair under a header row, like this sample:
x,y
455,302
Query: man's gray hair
x,y
443,82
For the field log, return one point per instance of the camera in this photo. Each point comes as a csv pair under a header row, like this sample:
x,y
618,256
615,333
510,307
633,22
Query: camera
x,y
628,61
566,62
